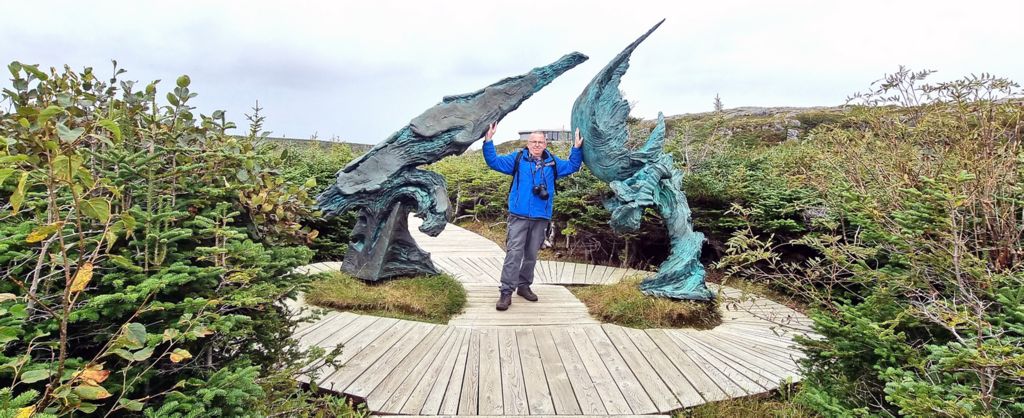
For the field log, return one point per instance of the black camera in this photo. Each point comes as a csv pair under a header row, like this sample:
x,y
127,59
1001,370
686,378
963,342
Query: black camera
x,y
541,190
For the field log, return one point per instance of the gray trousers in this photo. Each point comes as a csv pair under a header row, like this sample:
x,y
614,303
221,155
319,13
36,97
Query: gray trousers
x,y
525,237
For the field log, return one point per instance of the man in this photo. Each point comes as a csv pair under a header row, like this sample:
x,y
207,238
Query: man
x,y
530,196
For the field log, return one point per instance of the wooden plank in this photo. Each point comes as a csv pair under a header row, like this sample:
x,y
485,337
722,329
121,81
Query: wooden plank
x,y
538,273
592,277
445,264
711,362
700,380
496,264
601,274
513,387
677,383
490,374
562,395
427,397
784,342
767,369
582,384
734,363
353,338
363,327
471,270
538,416
393,358
486,305
537,321
308,327
659,393
617,275
551,267
772,330
526,315
324,328
567,271
534,377
756,348
337,338
544,277
483,264
780,343
364,348
613,400
623,377
726,384
579,274
453,392
392,393
470,393
484,268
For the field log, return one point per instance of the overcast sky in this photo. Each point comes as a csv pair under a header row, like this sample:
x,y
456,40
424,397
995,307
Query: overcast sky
x,y
360,70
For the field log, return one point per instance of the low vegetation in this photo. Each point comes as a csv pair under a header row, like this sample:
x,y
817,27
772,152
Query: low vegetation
x,y
776,405
426,298
146,255
623,304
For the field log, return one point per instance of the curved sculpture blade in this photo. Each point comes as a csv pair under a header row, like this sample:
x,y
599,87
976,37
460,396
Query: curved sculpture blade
x,y
386,176
600,113
639,178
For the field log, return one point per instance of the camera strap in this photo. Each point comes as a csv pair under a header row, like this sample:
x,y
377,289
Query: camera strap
x,y
515,170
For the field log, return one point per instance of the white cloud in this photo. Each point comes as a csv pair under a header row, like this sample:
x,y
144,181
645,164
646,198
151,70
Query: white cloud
x,y
361,70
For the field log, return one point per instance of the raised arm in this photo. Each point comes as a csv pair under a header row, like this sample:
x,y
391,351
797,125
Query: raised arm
x,y
499,163
566,168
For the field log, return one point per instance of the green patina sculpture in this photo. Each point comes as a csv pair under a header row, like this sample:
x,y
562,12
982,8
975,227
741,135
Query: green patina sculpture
x,y
640,178
384,184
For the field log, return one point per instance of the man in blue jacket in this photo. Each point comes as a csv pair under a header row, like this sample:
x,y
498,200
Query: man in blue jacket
x,y
533,170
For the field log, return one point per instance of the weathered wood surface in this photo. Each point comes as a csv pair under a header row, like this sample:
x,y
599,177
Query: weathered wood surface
x,y
547,358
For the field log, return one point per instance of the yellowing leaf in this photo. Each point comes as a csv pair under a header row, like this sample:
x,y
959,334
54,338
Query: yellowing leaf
x,y
26,412
170,334
18,197
42,232
180,354
94,377
92,392
82,278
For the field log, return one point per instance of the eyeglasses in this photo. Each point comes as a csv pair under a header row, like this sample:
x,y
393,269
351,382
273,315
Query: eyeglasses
x,y
536,142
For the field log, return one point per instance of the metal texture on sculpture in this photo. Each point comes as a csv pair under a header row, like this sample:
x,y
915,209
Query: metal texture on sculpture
x,y
385,185
640,178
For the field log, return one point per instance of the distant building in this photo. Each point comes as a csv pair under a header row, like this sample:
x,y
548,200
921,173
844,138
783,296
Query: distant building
x,y
550,134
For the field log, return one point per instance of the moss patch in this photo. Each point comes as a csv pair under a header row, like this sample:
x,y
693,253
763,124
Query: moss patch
x,y
749,407
426,298
623,304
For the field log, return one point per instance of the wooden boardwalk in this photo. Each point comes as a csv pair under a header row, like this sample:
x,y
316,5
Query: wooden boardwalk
x,y
550,357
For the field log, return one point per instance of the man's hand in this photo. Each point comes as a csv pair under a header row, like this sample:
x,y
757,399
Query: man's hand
x,y
490,131
579,139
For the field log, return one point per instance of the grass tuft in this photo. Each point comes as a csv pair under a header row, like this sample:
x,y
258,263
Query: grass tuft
x,y
433,299
623,304
749,407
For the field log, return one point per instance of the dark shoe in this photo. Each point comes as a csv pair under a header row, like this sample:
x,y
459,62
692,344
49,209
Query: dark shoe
x,y
504,301
526,293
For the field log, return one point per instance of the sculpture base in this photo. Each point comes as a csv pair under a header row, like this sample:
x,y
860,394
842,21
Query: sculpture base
x,y
382,247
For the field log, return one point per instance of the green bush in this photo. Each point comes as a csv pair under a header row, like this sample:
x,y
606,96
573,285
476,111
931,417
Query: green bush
x,y
316,165
145,254
917,284
474,189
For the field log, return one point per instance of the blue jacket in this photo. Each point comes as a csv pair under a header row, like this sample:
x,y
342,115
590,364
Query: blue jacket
x,y
521,200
